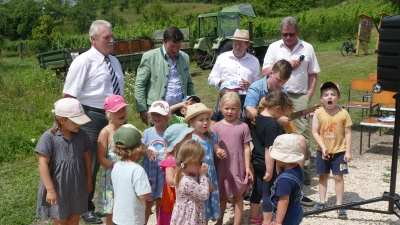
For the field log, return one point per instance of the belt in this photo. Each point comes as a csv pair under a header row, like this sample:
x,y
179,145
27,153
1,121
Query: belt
x,y
86,107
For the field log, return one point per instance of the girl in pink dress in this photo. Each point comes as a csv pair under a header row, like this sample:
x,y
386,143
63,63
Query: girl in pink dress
x,y
173,136
191,185
234,171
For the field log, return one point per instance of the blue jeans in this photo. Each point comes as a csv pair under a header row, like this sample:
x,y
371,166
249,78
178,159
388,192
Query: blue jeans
x,y
93,128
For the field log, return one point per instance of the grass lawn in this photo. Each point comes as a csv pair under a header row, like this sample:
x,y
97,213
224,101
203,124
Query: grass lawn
x,y
28,94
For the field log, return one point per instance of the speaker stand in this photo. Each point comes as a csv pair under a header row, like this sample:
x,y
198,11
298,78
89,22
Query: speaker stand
x,y
392,198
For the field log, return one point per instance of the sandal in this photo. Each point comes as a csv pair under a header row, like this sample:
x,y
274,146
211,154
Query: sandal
x,y
256,221
342,214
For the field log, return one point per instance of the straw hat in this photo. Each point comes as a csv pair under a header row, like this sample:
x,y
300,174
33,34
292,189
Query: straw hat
x,y
286,148
196,109
241,35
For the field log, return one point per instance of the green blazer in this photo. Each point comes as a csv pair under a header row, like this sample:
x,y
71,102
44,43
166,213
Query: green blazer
x,y
152,78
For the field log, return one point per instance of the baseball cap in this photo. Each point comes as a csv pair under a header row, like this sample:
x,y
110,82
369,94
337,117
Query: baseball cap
x,y
114,103
159,107
330,84
175,134
72,109
128,135
230,84
194,97
286,148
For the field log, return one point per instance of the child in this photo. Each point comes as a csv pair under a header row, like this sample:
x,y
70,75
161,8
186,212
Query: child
x,y
228,85
264,132
286,192
331,129
189,100
159,114
115,108
191,184
173,136
234,172
64,165
198,116
130,182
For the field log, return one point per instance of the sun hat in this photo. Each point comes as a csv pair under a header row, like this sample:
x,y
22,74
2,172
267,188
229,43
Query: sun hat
x,y
241,35
159,107
113,103
330,84
194,97
128,136
230,84
175,134
72,109
286,148
196,109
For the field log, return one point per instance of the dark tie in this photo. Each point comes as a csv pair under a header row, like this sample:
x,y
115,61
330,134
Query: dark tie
x,y
114,79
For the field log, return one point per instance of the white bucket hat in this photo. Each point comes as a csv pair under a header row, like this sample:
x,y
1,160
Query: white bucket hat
x,y
241,35
286,148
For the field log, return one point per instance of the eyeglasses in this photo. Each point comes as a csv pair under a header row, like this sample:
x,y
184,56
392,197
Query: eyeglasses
x,y
288,34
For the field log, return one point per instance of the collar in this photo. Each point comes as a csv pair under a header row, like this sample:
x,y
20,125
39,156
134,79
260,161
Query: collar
x,y
98,54
233,55
264,84
299,42
165,55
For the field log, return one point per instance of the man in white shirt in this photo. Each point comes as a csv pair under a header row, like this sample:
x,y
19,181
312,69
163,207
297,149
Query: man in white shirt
x,y
92,77
300,87
236,65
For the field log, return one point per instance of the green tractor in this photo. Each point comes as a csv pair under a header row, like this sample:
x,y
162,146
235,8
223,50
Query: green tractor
x,y
214,31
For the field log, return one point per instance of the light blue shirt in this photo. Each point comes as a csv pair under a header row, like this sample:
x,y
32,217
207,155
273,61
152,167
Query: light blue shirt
x,y
173,93
256,91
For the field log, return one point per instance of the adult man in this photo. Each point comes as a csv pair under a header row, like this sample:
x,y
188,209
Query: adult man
x,y
92,77
163,74
236,65
300,87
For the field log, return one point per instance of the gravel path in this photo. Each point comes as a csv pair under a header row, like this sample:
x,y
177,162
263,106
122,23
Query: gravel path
x,y
369,177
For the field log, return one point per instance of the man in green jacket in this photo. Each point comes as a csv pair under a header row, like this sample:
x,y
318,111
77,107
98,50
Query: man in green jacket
x,y
163,74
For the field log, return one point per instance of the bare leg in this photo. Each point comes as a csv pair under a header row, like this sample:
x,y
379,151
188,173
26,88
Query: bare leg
x,y
147,213
109,220
60,222
322,186
238,209
223,202
267,217
73,220
158,204
339,188
254,208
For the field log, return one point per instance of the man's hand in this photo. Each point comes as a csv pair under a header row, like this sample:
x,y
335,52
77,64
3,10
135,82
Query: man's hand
x,y
144,117
295,63
244,84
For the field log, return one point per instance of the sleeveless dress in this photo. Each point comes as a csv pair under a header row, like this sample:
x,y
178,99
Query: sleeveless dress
x,y
105,199
212,204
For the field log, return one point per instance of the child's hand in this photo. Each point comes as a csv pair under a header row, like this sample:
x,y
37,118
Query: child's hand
x,y
210,186
203,169
51,198
249,174
283,120
220,153
267,176
325,155
347,157
152,155
89,187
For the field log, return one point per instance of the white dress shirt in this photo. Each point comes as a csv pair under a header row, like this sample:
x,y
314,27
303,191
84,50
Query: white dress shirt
x,y
228,66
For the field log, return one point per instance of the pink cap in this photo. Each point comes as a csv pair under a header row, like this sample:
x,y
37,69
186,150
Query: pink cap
x,y
159,107
72,109
114,103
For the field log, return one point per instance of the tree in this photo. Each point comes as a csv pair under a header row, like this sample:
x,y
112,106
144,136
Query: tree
x,y
47,30
395,4
85,13
24,17
57,9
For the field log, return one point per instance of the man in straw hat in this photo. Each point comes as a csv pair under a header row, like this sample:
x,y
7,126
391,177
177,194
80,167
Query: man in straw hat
x,y
236,65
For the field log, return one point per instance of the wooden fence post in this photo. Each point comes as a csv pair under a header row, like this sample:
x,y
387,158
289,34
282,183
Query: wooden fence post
x,y
20,50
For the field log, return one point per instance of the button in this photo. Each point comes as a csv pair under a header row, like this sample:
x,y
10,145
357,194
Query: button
x,y
165,86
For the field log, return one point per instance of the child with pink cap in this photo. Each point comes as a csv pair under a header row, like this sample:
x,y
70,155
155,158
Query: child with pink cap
x,y
159,116
64,165
115,108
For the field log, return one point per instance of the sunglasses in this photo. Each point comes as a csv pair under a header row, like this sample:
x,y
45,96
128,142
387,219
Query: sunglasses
x,y
288,34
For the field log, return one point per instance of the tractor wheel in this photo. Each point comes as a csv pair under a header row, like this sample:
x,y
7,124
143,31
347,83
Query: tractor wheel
x,y
201,57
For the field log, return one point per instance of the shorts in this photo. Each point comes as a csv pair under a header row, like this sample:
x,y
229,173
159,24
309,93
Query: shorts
x,y
335,163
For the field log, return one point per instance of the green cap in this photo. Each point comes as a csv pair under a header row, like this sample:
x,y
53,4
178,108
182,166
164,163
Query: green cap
x,y
128,135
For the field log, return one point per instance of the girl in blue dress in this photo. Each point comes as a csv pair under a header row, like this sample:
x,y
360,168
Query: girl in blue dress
x,y
198,116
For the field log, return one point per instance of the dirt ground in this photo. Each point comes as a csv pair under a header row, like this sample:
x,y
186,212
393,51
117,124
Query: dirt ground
x,y
369,177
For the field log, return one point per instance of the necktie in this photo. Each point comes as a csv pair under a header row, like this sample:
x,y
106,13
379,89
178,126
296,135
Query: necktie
x,y
114,79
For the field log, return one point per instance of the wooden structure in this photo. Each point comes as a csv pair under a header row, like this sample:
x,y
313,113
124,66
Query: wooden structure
x,y
364,32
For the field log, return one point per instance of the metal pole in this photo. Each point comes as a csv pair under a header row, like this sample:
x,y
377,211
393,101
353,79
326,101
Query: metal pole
x,y
395,153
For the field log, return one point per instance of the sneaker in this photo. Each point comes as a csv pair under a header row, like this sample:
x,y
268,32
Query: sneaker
x,y
306,201
256,221
307,179
319,206
342,214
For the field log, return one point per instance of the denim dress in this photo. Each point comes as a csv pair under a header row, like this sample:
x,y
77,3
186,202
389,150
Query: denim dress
x,y
294,213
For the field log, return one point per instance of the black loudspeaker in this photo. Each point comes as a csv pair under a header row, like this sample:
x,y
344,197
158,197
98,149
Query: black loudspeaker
x,y
389,54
